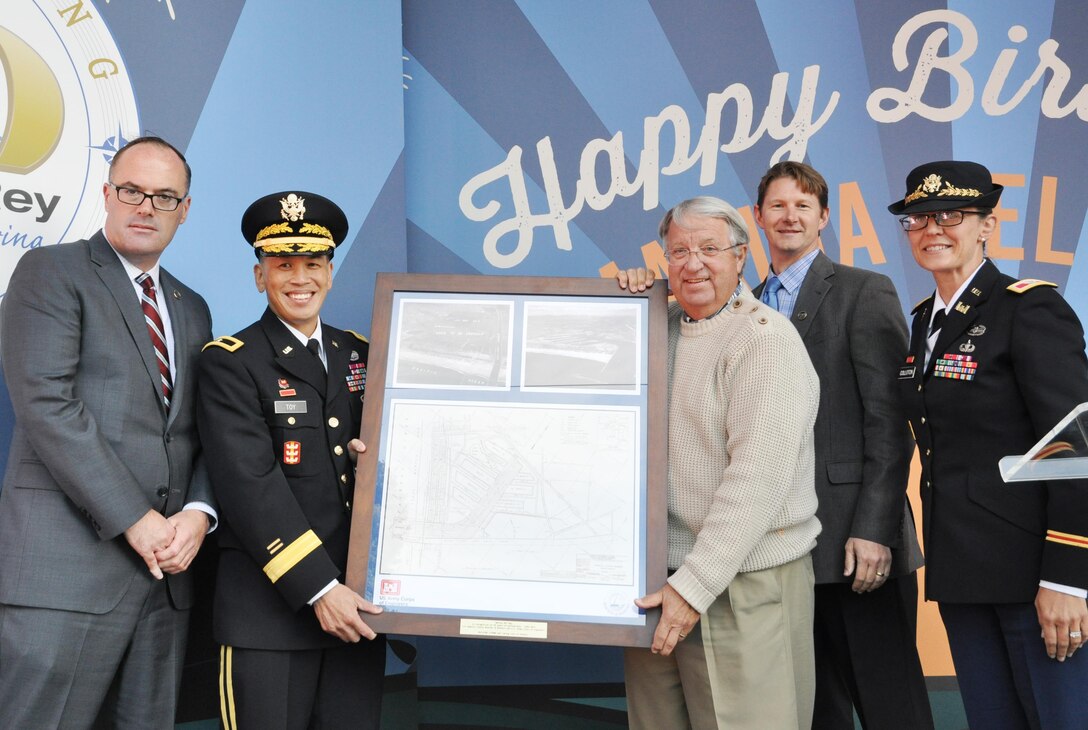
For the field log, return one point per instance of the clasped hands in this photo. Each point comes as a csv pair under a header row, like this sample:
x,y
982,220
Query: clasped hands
x,y
168,544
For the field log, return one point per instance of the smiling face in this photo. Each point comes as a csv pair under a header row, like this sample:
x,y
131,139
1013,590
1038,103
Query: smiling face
x,y
296,287
703,285
139,232
791,219
951,253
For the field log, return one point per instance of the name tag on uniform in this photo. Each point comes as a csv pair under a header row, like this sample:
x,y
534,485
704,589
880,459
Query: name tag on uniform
x,y
290,406
906,373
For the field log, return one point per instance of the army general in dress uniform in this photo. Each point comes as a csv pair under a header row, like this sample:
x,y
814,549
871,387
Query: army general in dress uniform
x,y
994,363
279,406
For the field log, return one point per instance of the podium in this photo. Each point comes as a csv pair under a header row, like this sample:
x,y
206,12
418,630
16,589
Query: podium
x,y
1060,454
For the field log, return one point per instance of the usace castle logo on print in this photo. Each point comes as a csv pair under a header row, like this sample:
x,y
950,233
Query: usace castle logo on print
x,y
66,105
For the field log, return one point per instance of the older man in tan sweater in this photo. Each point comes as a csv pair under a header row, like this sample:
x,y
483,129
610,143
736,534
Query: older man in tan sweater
x,y
733,647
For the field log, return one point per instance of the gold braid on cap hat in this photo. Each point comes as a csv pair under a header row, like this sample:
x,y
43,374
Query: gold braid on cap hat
x,y
294,247
278,248
274,229
959,192
312,247
316,229
932,184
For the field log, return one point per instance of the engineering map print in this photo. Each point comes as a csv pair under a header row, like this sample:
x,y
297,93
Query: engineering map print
x,y
535,493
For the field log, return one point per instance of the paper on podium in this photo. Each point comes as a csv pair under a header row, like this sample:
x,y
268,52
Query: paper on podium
x,y
1061,454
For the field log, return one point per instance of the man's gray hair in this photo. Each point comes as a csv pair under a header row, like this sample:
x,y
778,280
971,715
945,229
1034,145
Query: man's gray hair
x,y
708,207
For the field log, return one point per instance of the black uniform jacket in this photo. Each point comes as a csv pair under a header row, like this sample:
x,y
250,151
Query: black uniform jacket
x,y
278,428
1008,364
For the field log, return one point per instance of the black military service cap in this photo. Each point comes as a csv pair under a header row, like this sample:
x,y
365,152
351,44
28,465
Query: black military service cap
x,y
947,185
294,223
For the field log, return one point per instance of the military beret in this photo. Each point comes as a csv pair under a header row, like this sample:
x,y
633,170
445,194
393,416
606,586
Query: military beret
x,y
294,223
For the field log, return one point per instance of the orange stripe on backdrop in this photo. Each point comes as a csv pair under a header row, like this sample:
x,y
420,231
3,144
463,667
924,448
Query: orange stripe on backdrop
x,y
932,641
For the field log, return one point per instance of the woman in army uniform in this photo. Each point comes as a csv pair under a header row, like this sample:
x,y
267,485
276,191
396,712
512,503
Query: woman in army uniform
x,y
994,363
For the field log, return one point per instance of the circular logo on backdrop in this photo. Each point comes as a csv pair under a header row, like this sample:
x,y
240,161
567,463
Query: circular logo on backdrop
x,y
66,105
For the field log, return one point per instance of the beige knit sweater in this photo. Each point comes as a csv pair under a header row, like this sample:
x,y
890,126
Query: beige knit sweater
x,y
742,403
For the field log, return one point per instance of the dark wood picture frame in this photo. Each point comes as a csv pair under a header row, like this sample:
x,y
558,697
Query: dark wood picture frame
x,y
483,623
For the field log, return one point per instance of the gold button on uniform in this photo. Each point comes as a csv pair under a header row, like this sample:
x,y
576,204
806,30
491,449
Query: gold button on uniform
x,y
334,422
343,478
339,450
290,420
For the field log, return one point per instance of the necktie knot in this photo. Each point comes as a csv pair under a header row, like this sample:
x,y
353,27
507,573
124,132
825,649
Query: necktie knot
x,y
146,282
770,292
315,347
938,320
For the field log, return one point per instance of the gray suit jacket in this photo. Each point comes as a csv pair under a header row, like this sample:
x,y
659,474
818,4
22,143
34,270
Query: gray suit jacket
x,y
93,448
853,328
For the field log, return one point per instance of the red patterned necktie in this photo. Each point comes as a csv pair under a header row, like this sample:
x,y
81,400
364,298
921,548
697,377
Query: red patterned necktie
x,y
150,306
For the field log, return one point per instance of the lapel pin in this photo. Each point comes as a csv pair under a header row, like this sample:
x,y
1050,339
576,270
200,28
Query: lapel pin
x,y
962,308
287,350
977,330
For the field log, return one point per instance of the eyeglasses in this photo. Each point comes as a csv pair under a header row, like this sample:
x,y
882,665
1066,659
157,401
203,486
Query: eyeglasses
x,y
680,255
159,201
943,218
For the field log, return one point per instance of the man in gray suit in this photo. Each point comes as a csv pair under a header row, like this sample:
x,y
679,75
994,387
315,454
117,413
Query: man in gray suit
x,y
105,501
865,559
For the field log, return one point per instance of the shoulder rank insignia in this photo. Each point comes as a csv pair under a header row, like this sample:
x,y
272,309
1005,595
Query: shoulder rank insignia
x,y
1024,284
228,343
355,334
918,306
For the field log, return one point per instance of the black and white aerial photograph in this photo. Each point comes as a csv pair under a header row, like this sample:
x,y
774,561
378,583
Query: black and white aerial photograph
x,y
453,343
582,346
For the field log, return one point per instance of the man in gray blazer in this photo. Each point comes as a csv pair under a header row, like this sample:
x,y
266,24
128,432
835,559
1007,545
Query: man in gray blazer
x,y
105,501
865,559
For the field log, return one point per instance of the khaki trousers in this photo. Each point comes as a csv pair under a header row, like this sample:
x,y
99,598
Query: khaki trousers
x,y
748,663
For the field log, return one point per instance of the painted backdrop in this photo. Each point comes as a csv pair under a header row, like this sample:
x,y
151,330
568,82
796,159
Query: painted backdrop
x,y
541,137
